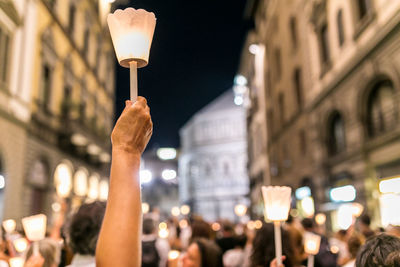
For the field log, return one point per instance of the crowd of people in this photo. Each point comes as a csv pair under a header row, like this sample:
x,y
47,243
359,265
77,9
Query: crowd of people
x,y
114,234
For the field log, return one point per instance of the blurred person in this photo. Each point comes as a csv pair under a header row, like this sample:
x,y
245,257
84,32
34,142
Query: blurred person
x,y
339,242
296,238
393,230
154,249
263,252
227,241
364,225
236,257
250,234
354,243
3,255
119,241
393,259
34,261
48,249
376,251
202,253
200,229
83,231
324,258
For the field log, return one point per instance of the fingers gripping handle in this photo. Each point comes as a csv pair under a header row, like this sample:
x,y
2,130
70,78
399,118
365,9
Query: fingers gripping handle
x,y
134,84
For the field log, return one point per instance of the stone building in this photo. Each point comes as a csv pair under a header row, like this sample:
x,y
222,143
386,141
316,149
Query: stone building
x,y
331,92
213,158
57,91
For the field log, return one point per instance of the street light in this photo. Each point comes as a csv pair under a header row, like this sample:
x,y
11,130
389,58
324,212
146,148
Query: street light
x,y
175,211
168,174
253,49
166,153
240,80
145,176
145,208
240,210
185,209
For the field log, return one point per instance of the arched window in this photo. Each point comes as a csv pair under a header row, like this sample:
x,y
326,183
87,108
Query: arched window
x,y
336,134
364,7
39,182
293,32
298,87
381,109
339,21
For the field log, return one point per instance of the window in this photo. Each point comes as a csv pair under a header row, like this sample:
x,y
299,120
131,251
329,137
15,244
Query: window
x,y
44,97
303,142
340,28
298,87
364,7
270,123
293,32
278,63
324,39
71,19
4,53
86,37
83,105
336,134
381,109
98,50
281,102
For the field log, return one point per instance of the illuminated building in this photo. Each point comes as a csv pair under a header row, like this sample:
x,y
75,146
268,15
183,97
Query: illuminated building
x,y
57,91
212,163
331,90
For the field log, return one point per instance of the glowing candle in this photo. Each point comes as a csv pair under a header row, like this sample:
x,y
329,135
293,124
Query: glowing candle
x,y
277,206
132,33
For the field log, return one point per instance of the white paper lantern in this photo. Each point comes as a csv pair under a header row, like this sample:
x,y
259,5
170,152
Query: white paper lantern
x,y
20,244
311,243
16,262
132,33
276,202
35,227
9,225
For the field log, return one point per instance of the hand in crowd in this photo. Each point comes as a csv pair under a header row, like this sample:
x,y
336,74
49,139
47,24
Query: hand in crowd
x,y
274,263
35,261
134,127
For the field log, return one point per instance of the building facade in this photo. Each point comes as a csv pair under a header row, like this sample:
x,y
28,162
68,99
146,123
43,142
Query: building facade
x,y
58,104
331,90
160,185
212,163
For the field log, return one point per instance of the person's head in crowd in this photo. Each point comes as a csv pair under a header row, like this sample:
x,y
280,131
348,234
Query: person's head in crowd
x,y
376,251
264,247
308,224
200,229
393,259
353,244
149,226
364,223
84,228
240,241
228,229
202,253
393,230
49,250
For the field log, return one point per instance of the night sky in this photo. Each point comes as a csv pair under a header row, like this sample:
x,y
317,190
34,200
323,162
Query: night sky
x,y
193,59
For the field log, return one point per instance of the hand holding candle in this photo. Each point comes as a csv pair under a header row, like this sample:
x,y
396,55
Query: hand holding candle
x,y
277,205
132,33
